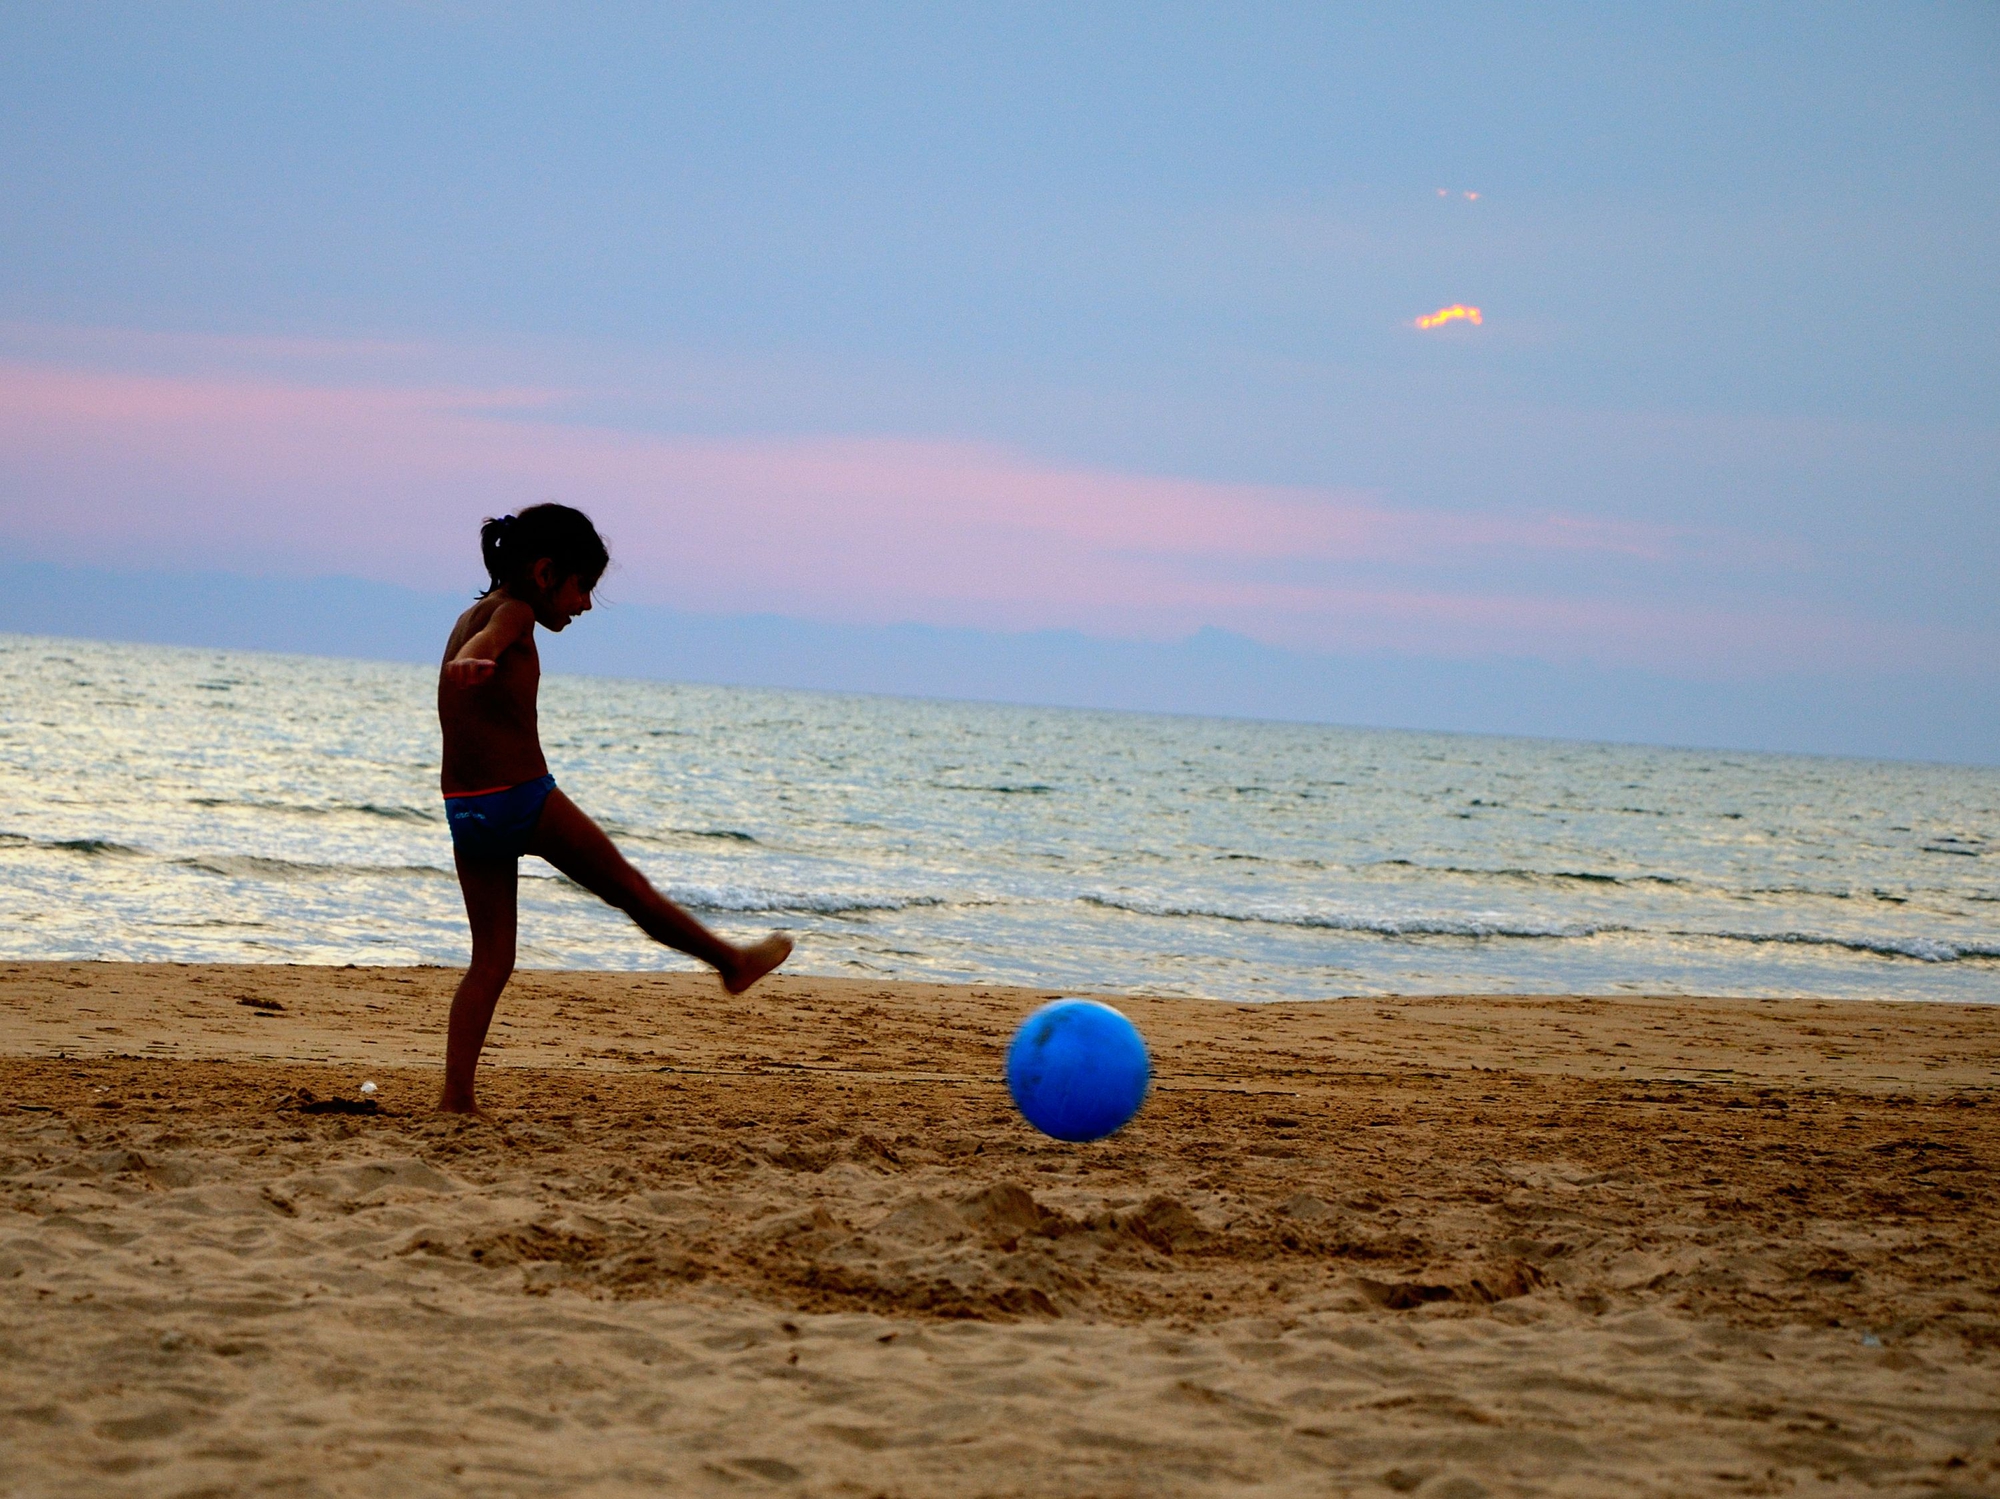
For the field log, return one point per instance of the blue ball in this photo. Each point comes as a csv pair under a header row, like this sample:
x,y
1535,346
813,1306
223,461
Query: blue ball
x,y
1077,1069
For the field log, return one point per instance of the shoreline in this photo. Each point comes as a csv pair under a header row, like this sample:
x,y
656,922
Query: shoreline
x,y
799,1242
578,1017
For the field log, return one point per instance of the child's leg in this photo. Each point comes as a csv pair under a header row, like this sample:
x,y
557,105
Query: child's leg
x,y
578,847
489,906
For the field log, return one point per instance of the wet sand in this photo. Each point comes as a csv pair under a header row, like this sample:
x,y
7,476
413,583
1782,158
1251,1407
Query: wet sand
x,y
799,1243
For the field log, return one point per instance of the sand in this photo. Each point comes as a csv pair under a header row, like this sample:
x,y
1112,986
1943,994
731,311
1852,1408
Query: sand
x,y
799,1243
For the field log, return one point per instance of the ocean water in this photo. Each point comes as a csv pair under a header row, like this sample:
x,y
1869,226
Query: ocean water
x,y
161,803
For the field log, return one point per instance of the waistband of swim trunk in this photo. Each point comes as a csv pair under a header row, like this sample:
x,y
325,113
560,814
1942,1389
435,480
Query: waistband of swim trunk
x,y
454,796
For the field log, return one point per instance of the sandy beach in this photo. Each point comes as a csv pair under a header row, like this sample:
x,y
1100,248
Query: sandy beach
x,y
800,1243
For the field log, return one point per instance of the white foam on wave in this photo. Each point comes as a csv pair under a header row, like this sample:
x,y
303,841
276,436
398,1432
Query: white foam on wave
x,y
1923,949
752,898
1426,925
1494,925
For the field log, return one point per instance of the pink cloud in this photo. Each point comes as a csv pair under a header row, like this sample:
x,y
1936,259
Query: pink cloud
x,y
389,481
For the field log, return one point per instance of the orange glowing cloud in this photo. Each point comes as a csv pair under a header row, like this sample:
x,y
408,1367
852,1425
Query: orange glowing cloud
x,y
1451,314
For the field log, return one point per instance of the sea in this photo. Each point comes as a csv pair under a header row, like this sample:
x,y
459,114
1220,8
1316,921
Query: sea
x,y
223,806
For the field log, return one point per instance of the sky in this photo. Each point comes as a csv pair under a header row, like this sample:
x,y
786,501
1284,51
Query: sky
x,y
1022,319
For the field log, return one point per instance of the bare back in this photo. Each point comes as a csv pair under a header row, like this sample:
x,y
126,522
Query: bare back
x,y
491,737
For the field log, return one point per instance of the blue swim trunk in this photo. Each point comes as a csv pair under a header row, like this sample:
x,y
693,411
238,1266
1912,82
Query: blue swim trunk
x,y
497,824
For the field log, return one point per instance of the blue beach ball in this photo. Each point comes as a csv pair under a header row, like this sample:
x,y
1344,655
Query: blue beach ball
x,y
1077,1069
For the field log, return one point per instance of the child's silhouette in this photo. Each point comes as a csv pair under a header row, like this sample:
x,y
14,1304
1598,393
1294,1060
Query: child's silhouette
x,y
501,800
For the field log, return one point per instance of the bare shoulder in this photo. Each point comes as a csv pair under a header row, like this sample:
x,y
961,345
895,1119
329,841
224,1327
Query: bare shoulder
x,y
470,624
510,624
505,616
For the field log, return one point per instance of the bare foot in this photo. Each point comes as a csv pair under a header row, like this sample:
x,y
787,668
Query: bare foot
x,y
465,1107
756,960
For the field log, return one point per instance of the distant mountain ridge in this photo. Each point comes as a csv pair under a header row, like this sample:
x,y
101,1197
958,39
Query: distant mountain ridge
x,y
1914,715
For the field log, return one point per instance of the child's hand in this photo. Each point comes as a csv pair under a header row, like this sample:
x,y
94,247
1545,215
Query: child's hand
x,y
467,671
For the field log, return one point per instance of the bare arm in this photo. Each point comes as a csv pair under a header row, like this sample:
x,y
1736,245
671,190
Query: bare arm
x,y
476,660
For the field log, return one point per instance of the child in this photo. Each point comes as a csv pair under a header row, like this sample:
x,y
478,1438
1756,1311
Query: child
x,y
501,800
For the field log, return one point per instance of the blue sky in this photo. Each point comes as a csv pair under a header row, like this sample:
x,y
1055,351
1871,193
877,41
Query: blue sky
x,y
1017,319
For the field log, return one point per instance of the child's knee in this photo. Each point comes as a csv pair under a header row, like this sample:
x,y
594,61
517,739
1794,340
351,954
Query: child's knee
x,y
494,962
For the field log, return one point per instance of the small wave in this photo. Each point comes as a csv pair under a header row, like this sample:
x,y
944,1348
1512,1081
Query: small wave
x,y
1579,876
394,814
751,898
1923,949
1666,881
1026,788
338,809
1336,921
252,866
674,838
1964,848
93,847
88,847
207,924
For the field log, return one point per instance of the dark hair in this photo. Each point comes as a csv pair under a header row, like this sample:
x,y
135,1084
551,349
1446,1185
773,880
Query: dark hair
x,y
513,544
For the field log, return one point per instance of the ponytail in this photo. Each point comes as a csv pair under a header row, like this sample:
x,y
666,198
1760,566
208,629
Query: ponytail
x,y
493,548
511,545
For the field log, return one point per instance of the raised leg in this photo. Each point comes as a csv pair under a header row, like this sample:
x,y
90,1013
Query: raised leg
x,y
579,848
488,886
